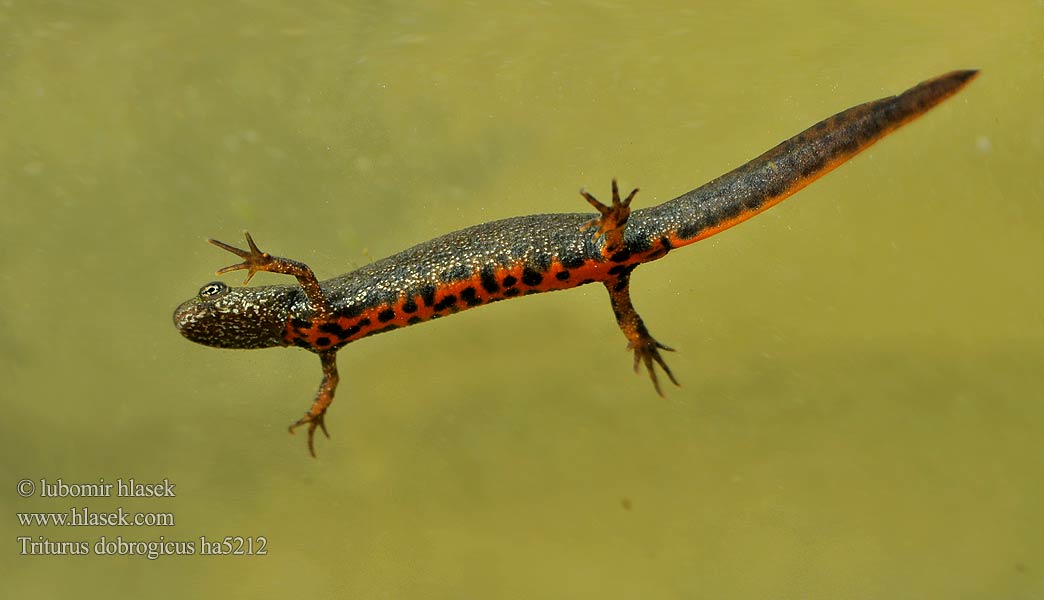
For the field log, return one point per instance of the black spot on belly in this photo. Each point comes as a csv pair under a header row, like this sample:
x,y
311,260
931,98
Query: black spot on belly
x,y
531,277
364,322
409,306
469,296
489,282
446,302
510,281
620,256
427,294
322,341
388,327
333,329
511,292
350,331
386,315
413,320
622,271
562,275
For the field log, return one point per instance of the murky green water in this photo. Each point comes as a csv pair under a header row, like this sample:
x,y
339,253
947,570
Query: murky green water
x,y
861,414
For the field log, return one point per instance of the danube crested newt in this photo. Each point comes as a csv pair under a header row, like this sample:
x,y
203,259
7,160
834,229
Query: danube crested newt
x,y
525,255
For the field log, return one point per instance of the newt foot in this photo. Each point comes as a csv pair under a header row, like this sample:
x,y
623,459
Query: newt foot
x,y
613,217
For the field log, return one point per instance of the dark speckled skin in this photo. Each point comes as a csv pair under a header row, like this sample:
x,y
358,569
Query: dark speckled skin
x,y
536,253
533,240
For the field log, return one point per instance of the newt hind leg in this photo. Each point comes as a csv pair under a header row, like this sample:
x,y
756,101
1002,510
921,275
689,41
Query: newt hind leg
x,y
646,348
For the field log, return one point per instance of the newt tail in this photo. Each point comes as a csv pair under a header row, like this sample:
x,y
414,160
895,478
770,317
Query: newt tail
x,y
526,255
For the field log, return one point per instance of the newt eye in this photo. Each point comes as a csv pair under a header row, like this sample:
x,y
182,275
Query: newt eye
x,y
212,290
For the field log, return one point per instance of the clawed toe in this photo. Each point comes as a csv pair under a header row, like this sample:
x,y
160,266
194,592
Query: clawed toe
x,y
313,422
647,352
254,260
613,217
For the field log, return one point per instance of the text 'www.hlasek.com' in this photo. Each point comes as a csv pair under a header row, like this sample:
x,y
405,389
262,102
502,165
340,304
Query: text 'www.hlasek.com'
x,y
57,532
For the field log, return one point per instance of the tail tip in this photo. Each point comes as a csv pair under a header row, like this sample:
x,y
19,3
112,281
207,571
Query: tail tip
x,y
939,88
960,78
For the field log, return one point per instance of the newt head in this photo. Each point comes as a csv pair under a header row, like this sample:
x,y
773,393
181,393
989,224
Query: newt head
x,y
225,317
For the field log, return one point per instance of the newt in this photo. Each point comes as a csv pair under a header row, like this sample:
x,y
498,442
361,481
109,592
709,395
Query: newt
x,y
524,255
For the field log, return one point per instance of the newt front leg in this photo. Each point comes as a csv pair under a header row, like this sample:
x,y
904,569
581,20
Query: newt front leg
x,y
611,224
255,260
323,398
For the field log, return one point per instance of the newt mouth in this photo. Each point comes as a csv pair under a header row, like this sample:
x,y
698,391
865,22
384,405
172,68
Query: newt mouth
x,y
186,316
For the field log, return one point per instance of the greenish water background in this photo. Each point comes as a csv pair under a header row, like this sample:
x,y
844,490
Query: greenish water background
x,y
861,410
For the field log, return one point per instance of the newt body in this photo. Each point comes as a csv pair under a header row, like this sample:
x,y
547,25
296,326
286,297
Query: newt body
x,y
530,254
